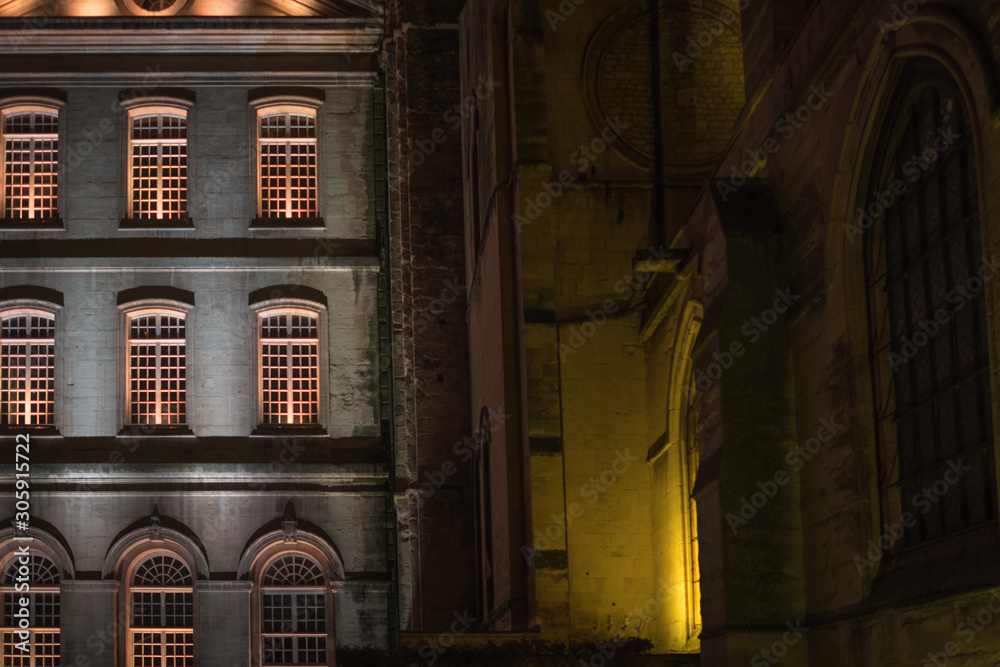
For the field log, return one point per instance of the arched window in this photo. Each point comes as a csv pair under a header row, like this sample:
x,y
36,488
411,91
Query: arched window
x,y
294,628
157,367
289,366
33,578
287,161
30,161
161,613
157,154
27,367
927,312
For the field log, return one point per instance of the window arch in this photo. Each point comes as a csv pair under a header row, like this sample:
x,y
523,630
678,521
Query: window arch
x,y
294,606
927,315
27,367
30,132
287,164
289,359
157,162
161,612
32,577
156,365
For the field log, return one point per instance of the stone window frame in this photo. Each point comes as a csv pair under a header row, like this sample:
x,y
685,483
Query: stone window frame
x,y
276,306
46,309
273,545
22,104
892,497
126,312
147,106
271,105
13,559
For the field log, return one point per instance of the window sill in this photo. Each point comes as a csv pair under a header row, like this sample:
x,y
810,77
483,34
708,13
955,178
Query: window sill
x,y
290,429
31,225
140,430
287,223
965,561
151,223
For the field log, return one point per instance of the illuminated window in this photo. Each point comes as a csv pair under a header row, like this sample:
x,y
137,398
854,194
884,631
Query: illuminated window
x,y
42,643
157,163
287,162
27,368
929,342
157,367
289,366
293,612
30,162
161,618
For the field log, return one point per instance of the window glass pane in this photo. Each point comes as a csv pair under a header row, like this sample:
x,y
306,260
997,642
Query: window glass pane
x,y
157,392
289,369
31,164
27,370
937,321
159,167
287,165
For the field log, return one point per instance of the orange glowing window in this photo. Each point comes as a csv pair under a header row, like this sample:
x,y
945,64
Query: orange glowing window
x,y
161,619
158,157
289,367
30,162
157,367
41,647
287,162
293,622
27,368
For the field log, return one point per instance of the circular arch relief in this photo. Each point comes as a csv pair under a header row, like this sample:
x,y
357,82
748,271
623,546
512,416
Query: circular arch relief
x,y
616,83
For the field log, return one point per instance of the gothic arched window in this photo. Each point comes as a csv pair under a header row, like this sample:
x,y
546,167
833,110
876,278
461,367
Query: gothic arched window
x,y
925,275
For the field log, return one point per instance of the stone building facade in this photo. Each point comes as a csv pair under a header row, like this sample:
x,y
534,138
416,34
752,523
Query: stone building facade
x,y
758,379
